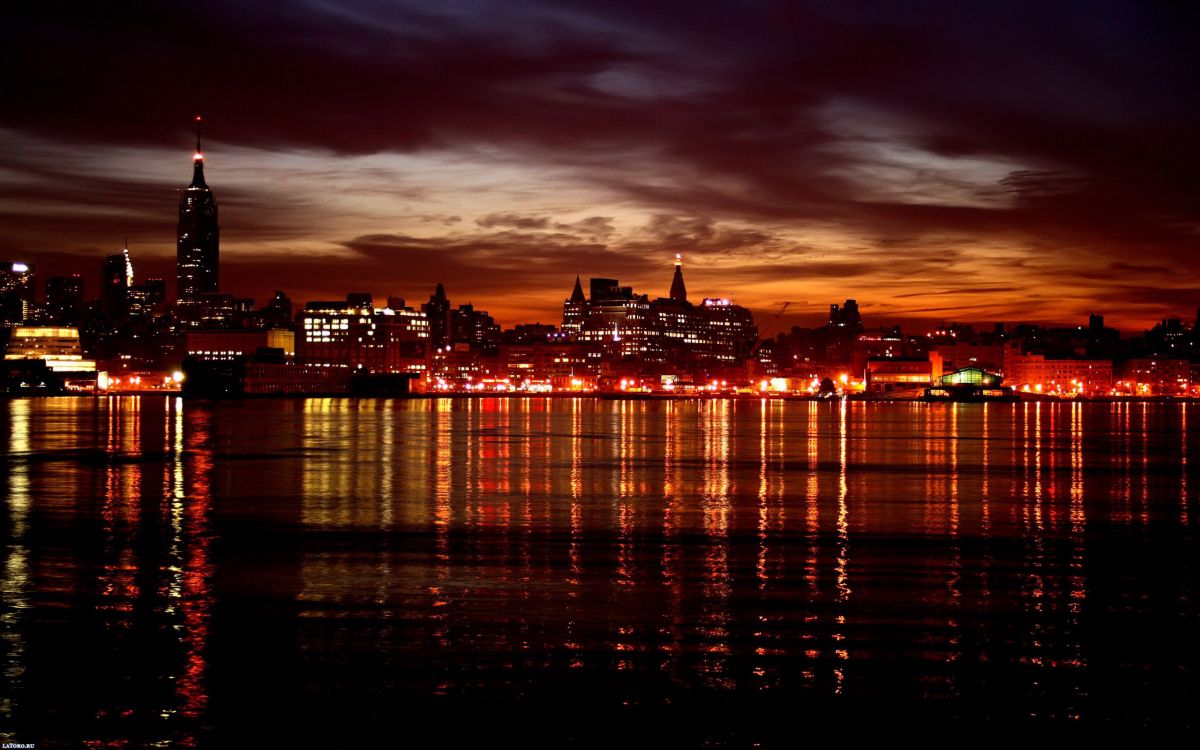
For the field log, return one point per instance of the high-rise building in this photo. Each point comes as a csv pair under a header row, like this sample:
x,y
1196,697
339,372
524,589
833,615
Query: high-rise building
x,y
618,324
197,250
574,310
116,276
437,311
847,316
147,299
64,299
16,292
474,327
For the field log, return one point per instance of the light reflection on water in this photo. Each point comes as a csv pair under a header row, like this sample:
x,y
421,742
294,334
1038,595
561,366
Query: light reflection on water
x,y
321,558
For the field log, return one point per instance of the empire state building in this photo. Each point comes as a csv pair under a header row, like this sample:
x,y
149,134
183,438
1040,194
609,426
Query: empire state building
x,y
197,249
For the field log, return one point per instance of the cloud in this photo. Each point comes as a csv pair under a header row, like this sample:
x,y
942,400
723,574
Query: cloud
x,y
792,151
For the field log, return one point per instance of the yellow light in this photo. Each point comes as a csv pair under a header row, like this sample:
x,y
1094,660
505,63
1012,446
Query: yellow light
x,y
844,378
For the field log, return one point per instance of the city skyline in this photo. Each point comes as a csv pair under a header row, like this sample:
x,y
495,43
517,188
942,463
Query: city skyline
x,y
509,166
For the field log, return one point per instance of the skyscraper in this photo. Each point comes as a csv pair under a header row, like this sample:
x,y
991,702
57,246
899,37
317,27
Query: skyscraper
x,y
437,311
64,299
198,239
116,276
16,292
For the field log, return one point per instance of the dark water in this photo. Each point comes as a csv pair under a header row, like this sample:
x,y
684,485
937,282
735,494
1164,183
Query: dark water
x,y
549,572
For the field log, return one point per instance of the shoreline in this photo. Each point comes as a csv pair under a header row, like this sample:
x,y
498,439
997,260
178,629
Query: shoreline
x,y
1021,398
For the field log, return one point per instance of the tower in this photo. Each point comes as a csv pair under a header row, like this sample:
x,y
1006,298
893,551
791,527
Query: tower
x,y
197,249
678,290
574,309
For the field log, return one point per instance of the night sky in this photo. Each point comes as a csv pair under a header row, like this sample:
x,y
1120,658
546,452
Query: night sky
x,y
970,161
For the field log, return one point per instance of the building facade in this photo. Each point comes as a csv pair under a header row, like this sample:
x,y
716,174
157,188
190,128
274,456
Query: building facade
x,y
668,332
353,333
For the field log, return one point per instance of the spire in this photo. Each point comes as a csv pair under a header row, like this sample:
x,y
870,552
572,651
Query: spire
x,y
577,293
678,290
128,264
198,162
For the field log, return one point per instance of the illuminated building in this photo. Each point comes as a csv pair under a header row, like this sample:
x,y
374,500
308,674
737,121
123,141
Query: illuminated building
x,y
959,354
574,310
617,323
146,300
1154,376
668,332
16,292
900,374
58,347
116,276
968,383
1056,375
221,310
352,333
457,364
262,377
197,250
554,361
227,345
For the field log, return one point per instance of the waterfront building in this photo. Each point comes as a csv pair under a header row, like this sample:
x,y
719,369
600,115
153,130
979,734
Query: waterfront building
x,y
57,346
213,345
1154,376
1036,373
552,361
889,375
457,365
353,333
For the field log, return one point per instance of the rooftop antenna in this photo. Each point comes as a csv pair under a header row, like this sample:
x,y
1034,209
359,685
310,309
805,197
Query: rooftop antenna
x,y
199,152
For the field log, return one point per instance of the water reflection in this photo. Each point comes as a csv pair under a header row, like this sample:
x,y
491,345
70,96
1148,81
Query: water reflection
x,y
989,562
